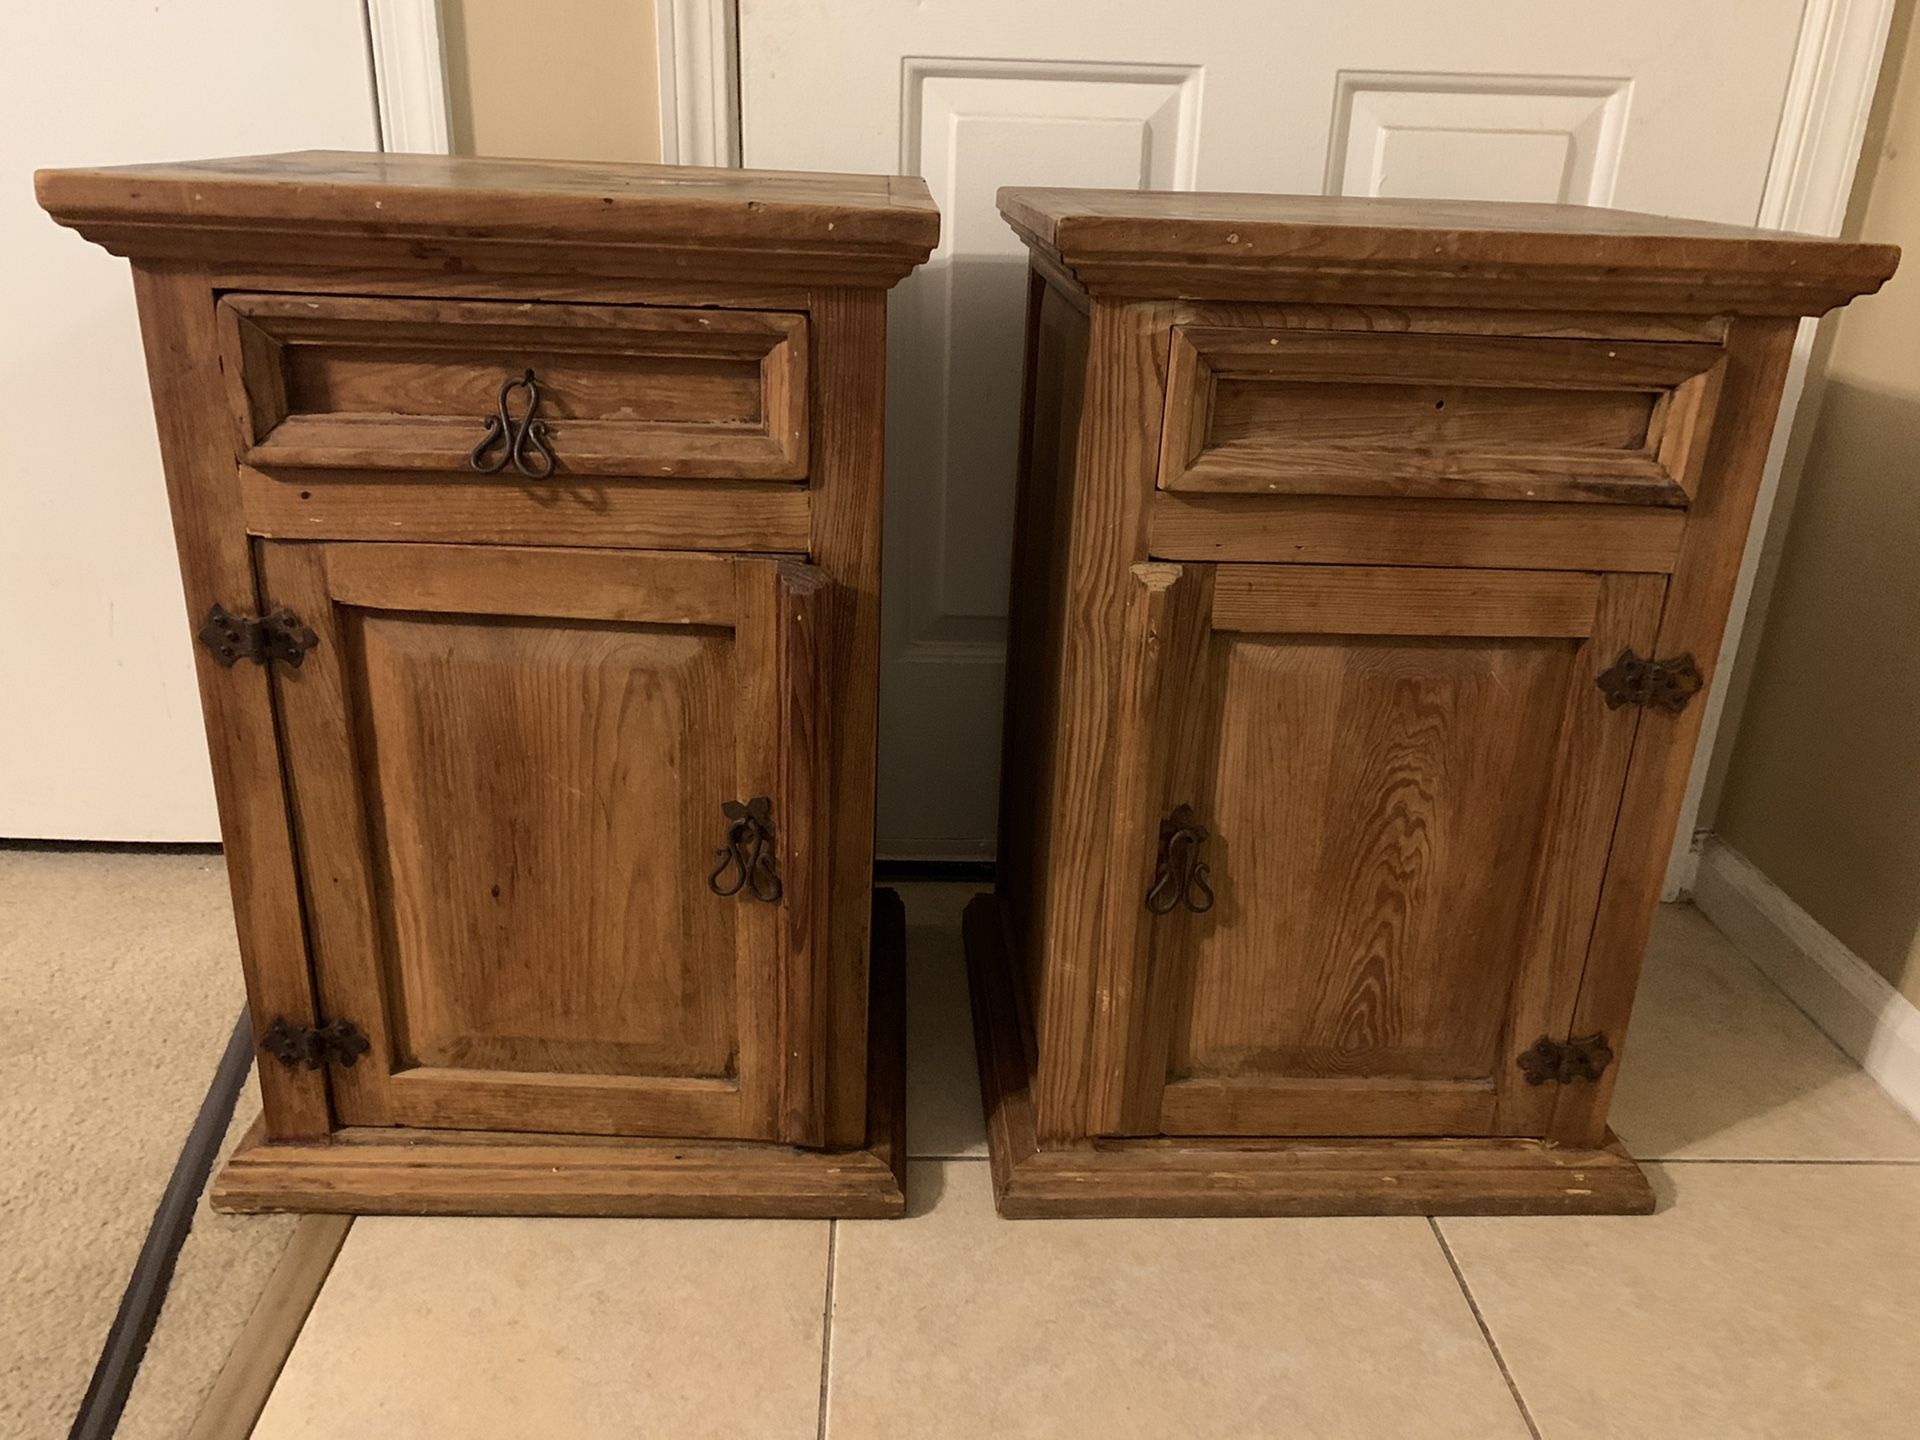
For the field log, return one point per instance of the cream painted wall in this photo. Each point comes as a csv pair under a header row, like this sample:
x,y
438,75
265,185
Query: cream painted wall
x,y
560,80
100,734
1822,782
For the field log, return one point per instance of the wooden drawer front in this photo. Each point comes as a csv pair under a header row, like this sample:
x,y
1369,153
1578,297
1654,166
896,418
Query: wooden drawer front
x,y
1296,412
342,382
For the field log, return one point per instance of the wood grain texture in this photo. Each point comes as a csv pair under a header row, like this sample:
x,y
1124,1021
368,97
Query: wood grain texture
x,y
849,335
1374,805
506,822
1408,783
684,222
1056,362
1594,324
1693,622
349,382
1160,1177
417,1172
182,349
1489,534
1104,517
385,505
1357,600
1164,636
614,585
803,1015
1295,411
1363,251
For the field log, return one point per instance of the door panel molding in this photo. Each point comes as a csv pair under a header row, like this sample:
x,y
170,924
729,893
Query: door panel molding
x,y
1525,126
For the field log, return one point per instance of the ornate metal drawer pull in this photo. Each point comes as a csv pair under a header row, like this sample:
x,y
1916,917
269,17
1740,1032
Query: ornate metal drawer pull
x,y
1181,876
746,860
523,441
1656,684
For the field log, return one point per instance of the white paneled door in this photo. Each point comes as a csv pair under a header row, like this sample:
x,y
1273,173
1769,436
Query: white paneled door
x,y
100,734
1645,104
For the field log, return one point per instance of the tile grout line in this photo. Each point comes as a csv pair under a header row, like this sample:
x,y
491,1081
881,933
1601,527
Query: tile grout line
x,y
1775,1160
826,1327
1486,1332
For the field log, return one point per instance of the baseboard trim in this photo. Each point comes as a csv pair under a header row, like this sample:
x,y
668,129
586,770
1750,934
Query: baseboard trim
x,y
1842,994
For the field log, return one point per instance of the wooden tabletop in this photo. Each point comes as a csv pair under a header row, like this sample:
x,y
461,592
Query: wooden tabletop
x,y
1131,241
884,221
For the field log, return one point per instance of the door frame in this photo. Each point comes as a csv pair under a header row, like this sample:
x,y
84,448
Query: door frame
x,y
1816,154
406,47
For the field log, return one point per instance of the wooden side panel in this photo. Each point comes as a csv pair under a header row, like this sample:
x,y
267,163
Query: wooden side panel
x,y
849,335
1104,516
1056,375
196,449
1693,622
804,676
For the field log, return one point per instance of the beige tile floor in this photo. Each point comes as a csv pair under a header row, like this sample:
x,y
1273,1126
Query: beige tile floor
x,y
1776,1293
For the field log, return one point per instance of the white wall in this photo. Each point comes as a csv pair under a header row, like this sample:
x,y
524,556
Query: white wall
x,y
100,732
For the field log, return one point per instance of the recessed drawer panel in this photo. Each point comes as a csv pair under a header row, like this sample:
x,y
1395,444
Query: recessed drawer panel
x,y
524,391
1298,412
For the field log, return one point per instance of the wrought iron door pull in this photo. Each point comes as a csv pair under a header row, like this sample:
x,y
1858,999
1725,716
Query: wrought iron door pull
x,y
523,441
1180,878
746,860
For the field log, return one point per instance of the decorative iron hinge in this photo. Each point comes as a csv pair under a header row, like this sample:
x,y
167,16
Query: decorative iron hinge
x,y
1659,684
1180,875
338,1041
1564,1061
277,636
746,860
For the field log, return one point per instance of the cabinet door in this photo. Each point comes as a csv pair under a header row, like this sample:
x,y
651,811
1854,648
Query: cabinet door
x,y
1407,781
508,769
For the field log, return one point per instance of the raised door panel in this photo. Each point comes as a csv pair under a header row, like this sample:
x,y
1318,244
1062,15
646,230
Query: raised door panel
x,y
508,770
1401,784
